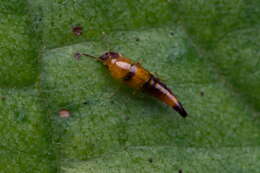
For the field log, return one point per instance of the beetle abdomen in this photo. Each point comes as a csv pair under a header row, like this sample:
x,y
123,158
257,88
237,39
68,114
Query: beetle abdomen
x,y
159,90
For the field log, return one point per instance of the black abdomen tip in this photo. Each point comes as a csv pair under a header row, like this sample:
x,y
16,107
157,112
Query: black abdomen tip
x,y
179,108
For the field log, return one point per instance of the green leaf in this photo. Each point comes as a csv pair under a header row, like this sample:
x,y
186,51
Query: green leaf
x,y
17,51
166,159
205,51
25,143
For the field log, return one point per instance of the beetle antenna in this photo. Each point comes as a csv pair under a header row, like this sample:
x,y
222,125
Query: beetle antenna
x,y
91,56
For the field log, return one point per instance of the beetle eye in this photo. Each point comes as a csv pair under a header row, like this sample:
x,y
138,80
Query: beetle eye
x,y
109,55
113,54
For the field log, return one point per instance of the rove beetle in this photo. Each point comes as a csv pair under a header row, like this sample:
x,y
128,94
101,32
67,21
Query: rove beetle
x,y
135,76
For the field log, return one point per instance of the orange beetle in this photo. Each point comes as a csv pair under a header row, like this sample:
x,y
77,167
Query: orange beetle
x,y
135,76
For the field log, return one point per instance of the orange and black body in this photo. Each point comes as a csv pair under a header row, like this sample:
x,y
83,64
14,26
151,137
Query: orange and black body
x,y
135,76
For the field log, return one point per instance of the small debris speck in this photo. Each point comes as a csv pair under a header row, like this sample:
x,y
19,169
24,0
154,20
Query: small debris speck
x,y
127,118
77,30
172,33
180,170
77,56
137,39
2,98
202,93
63,113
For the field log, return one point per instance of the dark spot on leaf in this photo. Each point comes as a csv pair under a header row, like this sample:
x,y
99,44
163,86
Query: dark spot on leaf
x,y
137,39
171,33
64,113
77,56
180,170
86,102
150,160
202,93
2,98
127,118
77,30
